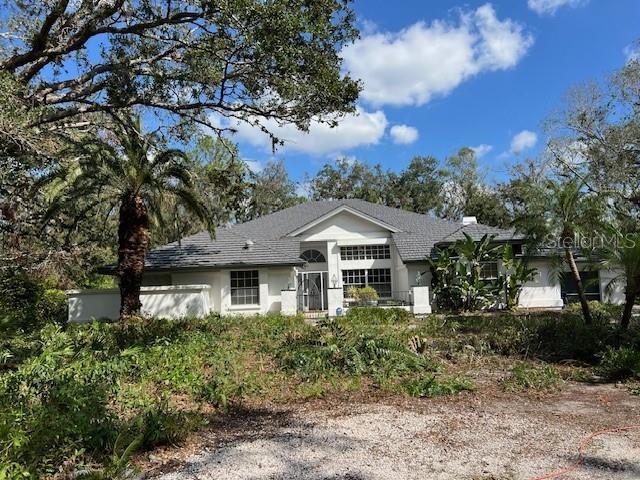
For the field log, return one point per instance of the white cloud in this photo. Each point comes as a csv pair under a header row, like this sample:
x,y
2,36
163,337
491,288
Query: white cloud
x,y
413,65
482,149
550,7
353,130
403,134
254,165
522,141
632,52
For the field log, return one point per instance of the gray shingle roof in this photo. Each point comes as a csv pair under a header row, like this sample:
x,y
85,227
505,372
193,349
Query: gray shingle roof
x,y
416,238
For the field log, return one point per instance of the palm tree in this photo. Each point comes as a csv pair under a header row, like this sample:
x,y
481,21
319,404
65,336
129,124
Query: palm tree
x,y
127,169
624,255
570,207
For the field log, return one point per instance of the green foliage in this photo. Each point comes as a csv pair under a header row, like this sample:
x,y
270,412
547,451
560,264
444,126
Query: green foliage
x,y
289,51
458,283
600,311
363,295
84,397
433,386
634,388
620,363
526,376
379,316
425,187
516,274
26,303
345,346
270,190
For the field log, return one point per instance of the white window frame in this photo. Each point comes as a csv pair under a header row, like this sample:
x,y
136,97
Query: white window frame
x,y
244,288
365,252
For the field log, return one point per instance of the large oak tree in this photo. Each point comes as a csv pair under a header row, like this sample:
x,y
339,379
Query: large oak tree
x,y
70,69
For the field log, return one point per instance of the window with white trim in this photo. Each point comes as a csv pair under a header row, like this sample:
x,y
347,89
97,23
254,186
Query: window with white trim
x,y
365,252
245,287
378,278
489,271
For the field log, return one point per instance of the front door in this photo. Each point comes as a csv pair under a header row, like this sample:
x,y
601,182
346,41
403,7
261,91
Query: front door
x,y
312,291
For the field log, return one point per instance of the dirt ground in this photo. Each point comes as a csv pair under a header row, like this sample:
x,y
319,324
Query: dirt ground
x,y
476,436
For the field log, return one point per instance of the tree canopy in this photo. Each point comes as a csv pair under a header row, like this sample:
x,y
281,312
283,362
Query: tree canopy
x,y
186,63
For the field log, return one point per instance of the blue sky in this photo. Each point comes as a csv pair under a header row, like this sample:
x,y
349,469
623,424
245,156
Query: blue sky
x,y
439,75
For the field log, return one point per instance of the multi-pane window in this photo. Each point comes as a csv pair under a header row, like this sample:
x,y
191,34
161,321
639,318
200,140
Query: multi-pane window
x,y
378,278
313,256
489,271
353,278
245,287
365,252
377,252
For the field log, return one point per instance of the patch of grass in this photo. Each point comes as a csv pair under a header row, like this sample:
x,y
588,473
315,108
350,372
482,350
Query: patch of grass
x,y
433,386
620,363
526,376
634,388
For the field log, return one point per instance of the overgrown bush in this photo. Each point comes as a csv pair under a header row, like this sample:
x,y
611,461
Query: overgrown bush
x,y
379,316
363,295
620,363
26,304
601,312
350,347
69,392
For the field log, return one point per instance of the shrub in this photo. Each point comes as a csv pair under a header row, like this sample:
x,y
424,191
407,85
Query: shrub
x,y
346,346
433,386
601,312
525,376
25,304
19,295
363,295
52,307
620,363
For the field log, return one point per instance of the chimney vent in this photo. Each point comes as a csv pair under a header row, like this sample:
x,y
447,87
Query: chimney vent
x,y
469,220
248,245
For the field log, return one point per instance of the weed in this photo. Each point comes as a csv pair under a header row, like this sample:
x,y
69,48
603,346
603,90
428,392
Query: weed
x,y
525,376
620,363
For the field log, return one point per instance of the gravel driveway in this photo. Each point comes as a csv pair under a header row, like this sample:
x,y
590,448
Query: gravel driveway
x,y
471,436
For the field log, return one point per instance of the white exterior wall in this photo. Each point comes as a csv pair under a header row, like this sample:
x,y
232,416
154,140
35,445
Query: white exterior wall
x,y
163,302
344,229
544,290
616,295
279,279
199,278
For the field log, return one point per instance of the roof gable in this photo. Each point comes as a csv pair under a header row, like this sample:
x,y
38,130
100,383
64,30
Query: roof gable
x,y
339,211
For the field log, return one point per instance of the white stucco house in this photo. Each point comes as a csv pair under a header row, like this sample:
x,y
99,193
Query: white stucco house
x,y
305,258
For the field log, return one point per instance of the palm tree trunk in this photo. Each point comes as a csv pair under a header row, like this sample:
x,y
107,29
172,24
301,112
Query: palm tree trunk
x,y
630,299
133,240
576,277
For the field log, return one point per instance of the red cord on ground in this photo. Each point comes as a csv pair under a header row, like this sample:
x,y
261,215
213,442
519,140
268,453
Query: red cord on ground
x,y
583,445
